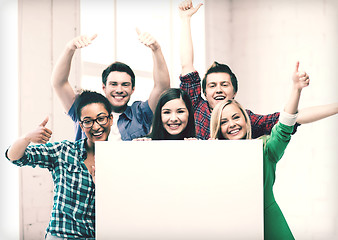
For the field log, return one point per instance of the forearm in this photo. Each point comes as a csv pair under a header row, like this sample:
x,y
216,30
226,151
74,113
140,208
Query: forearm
x,y
17,150
60,81
160,71
186,46
291,106
312,114
62,67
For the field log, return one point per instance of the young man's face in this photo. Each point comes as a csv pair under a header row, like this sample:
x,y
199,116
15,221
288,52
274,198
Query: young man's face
x,y
96,122
218,88
118,90
233,124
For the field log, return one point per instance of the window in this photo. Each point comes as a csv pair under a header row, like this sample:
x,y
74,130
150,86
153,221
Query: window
x,y
115,23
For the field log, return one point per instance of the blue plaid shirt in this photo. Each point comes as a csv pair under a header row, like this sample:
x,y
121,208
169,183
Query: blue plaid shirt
x,y
73,213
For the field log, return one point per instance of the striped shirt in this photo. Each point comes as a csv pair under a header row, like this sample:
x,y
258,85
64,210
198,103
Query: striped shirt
x,y
73,213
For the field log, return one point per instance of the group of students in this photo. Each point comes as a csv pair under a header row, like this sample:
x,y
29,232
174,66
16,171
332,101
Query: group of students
x,y
168,114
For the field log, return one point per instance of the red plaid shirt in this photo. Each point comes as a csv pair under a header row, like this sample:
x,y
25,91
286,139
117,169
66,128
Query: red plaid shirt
x,y
191,83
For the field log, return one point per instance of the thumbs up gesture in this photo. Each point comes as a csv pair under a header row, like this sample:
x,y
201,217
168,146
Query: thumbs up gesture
x,y
300,78
81,42
41,134
187,9
147,39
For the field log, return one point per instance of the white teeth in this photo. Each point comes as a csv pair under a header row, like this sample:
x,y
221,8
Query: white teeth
x,y
173,126
234,131
97,134
219,98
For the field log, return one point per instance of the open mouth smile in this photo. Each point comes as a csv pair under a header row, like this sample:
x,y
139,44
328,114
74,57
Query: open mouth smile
x,y
234,132
174,126
219,98
119,97
98,134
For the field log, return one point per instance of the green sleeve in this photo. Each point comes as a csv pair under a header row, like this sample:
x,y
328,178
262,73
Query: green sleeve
x,y
276,143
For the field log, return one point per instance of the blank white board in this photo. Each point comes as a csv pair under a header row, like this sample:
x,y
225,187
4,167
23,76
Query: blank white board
x,y
179,190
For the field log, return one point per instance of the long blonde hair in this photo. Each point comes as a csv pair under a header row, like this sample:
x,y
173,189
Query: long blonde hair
x,y
215,122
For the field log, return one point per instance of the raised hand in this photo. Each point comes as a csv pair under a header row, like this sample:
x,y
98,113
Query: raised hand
x,y
300,79
147,39
41,134
186,8
80,42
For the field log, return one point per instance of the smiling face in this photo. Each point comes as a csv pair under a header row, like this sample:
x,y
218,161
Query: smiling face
x,y
97,132
233,124
118,90
218,88
175,116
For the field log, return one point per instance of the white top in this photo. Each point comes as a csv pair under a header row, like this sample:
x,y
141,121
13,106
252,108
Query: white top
x,y
114,131
287,118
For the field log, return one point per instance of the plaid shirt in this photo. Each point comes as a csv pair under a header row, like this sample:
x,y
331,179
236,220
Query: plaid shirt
x,y
191,83
73,213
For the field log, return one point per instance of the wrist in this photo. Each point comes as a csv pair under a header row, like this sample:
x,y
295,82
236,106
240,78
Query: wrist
x,y
297,88
27,138
185,19
70,47
156,49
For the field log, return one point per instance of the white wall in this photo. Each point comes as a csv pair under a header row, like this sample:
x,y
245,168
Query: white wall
x,y
43,28
9,180
261,40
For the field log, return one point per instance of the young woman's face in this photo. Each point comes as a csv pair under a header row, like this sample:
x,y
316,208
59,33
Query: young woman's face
x,y
174,115
96,122
233,125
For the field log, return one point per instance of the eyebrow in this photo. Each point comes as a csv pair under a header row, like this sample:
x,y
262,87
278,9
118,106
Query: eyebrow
x,y
177,108
96,115
231,116
115,81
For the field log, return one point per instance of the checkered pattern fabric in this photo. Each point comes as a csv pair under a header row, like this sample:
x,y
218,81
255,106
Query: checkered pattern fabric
x,y
191,83
73,213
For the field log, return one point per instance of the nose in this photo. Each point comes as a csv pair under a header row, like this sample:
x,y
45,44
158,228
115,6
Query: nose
x,y
232,123
119,89
95,125
218,88
173,117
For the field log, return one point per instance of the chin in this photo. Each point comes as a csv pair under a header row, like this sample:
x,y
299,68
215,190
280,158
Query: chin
x,y
174,133
236,137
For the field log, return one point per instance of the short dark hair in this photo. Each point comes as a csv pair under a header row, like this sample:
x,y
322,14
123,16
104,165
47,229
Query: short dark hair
x,y
216,68
158,132
118,67
88,97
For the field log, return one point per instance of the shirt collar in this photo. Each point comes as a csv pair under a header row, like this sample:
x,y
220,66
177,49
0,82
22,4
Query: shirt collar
x,y
81,146
128,113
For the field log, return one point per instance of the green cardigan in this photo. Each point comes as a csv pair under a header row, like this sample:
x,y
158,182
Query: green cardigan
x,y
275,225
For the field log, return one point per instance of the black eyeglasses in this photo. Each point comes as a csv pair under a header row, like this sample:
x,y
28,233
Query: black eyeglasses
x,y
88,123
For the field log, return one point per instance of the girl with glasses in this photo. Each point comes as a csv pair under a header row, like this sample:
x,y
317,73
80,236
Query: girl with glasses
x,y
72,165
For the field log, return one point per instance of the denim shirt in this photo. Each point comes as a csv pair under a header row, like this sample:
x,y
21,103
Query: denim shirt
x,y
134,122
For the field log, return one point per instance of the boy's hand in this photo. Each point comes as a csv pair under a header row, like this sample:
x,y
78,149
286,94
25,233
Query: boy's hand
x,y
80,42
